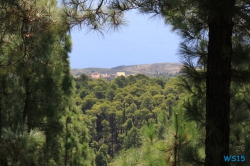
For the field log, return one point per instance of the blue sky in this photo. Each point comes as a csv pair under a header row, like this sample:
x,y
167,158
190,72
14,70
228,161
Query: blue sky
x,y
142,41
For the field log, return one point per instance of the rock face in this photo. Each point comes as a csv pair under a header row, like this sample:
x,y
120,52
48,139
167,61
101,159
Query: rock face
x,y
147,69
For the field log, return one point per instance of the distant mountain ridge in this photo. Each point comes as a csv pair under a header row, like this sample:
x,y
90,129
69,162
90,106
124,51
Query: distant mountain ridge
x,y
168,68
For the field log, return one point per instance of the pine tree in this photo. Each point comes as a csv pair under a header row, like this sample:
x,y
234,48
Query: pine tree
x,y
238,116
21,146
221,20
36,85
101,156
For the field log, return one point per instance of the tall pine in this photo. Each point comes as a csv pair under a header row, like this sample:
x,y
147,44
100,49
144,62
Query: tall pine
x,y
36,87
216,21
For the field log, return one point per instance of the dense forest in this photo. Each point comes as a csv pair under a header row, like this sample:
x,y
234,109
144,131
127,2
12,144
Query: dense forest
x,y
49,118
138,120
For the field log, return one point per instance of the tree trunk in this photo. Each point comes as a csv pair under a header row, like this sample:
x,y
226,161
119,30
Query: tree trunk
x,y
218,82
66,146
112,133
1,110
3,160
27,104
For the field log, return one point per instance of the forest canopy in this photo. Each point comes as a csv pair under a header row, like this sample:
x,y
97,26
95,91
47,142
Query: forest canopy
x,y
47,117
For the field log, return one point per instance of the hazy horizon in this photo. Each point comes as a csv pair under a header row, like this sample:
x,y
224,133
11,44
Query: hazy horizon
x,y
143,41
127,65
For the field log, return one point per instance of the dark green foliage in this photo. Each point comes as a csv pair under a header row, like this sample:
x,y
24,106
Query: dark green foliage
x,y
139,116
214,53
118,119
110,94
39,124
120,81
22,147
132,138
101,156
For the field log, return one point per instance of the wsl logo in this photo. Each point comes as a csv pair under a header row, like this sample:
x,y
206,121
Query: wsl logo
x,y
235,158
